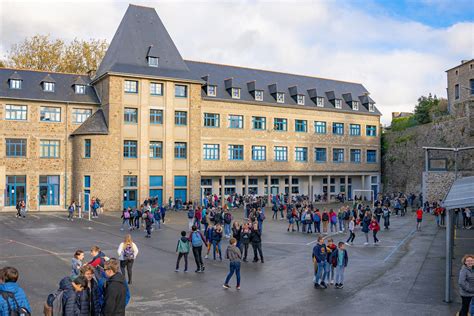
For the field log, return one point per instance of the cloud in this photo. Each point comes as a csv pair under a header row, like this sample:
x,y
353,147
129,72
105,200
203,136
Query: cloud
x,y
397,61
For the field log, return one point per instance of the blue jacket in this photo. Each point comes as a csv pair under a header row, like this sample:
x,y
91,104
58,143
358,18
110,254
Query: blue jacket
x,y
71,304
20,297
335,255
89,300
320,252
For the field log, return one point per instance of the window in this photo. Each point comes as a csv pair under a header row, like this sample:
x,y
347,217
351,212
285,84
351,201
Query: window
x,y
371,156
258,95
130,181
131,86
156,116
80,89
79,116
16,112
300,99
180,91
471,83
355,105
49,190
236,152
48,86
338,128
87,148
259,122
320,102
338,155
355,155
320,154
456,91
156,150
259,153
156,88
210,151
301,126
206,182
338,103
235,93
371,130
180,181
181,118
236,121
49,148
280,124
301,154
354,129
130,115
211,120
15,84
371,107
130,149
211,91
156,181
50,114
15,147
152,61
280,97
281,153
320,127
87,181
180,151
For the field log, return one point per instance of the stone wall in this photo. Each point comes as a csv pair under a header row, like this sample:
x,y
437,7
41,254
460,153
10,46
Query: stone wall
x,y
436,184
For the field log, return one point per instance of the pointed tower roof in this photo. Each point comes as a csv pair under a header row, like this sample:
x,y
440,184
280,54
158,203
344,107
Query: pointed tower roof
x,y
141,34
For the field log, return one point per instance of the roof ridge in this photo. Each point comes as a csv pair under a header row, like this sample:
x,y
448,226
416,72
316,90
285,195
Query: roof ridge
x,y
274,71
44,71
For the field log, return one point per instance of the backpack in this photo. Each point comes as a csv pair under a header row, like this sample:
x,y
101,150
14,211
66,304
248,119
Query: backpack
x,y
334,219
183,247
14,309
307,217
262,217
196,239
126,215
385,213
128,253
316,217
190,214
325,217
55,302
346,215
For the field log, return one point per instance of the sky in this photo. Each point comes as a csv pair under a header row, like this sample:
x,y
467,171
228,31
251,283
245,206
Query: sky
x,y
399,50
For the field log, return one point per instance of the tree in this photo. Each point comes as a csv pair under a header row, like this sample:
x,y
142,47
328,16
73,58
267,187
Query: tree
x,y
2,64
424,108
40,52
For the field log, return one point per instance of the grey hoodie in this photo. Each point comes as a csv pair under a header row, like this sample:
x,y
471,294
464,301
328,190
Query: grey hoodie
x,y
466,281
233,254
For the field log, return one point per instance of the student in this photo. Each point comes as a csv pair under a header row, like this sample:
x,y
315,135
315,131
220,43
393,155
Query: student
x,y
71,209
216,241
386,217
351,231
236,231
89,298
329,268
125,219
148,218
157,215
320,258
115,291
325,219
197,240
227,223
333,220
70,300
127,252
309,222
190,218
466,284
374,227
365,227
419,218
234,255
256,240
245,240
317,221
98,257
182,249
290,215
12,295
339,260
76,263
260,219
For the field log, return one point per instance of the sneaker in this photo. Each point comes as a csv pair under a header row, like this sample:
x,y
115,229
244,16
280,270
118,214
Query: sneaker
x,y
185,271
323,285
346,243
226,286
341,285
203,268
197,271
262,260
366,243
206,257
317,286
177,270
332,281
237,287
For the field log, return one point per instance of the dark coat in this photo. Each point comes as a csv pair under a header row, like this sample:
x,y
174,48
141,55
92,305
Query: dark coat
x,y
71,305
89,300
115,293
255,236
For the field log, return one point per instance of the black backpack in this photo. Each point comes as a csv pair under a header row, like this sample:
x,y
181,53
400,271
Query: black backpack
x,y
14,310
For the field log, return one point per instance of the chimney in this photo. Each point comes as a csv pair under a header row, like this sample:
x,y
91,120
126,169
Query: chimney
x,y
91,73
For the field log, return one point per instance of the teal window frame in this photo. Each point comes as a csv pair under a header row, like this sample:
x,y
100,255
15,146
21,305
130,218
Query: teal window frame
x,y
49,148
301,154
236,121
79,116
338,128
280,124
87,182
259,153
50,114
320,154
371,156
371,130
180,181
130,115
355,155
130,149
156,150
211,151
130,181
211,120
16,147
87,148
14,112
354,129
259,123
156,181
236,152
301,126
180,150
181,118
320,127
156,117
281,153
338,155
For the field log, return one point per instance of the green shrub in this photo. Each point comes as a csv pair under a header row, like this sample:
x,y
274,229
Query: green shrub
x,y
402,123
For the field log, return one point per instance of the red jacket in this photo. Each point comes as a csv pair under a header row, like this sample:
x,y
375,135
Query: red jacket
x,y
374,225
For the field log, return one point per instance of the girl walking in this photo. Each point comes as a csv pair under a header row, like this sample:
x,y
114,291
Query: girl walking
x,y
351,231
127,252
365,227
374,227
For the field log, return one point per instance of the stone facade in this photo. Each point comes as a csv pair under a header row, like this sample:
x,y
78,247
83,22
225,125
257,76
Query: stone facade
x,y
436,184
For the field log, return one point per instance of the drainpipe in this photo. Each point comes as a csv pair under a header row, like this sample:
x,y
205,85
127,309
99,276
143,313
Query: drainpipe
x,y
65,158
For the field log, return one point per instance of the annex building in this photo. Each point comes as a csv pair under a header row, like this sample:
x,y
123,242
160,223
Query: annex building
x,y
150,123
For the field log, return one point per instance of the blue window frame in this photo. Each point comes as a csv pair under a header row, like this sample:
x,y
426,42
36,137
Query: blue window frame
x,y
16,112
259,122
180,91
49,148
180,151
156,88
371,130
130,181
130,115
371,156
280,124
130,149
281,153
211,120
156,116
320,127
259,153
181,118
49,190
301,154
87,181
87,148
320,154
50,114
156,150
180,181
210,151
236,121
15,190
15,147
301,126
131,86
156,181
354,129
236,152
355,155
338,128
338,155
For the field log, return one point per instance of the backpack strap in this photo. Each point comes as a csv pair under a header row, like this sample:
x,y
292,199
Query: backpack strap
x,y
6,296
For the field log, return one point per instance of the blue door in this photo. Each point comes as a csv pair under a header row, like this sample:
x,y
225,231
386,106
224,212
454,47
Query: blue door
x,y
180,194
16,190
87,200
349,192
49,190
375,188
129,198
158,194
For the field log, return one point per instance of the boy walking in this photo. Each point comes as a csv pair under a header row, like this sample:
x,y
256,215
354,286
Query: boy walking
x,y
339,260
419,218
182,248
320,257
234,255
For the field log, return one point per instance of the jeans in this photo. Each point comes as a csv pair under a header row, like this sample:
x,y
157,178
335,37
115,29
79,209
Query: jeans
x,y
320,273
465,301
327,271
234,267
190,223
339,274
309,227
341,227
260,226
158,223
71,215
275,215
333,225
180,255
216,244
257,247
376,240
246,249
197,252
386,221
226,229
317,227
125,221
129,264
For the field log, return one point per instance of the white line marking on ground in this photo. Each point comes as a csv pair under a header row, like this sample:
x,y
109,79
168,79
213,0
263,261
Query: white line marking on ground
x,y
324,237
41,249
399,245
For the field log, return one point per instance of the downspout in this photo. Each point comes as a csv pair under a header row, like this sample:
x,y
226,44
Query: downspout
x,y
65,159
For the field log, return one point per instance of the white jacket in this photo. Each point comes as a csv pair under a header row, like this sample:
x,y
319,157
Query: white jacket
x,y
121,248
351,225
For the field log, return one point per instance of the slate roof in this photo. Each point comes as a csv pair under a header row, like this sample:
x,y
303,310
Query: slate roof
x,y
94,125
31,88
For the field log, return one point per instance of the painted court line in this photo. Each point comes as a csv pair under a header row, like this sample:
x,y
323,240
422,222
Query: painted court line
x,y
41,249
399,245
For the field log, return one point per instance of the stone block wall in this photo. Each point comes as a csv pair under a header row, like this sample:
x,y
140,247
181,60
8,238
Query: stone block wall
x,y
436,184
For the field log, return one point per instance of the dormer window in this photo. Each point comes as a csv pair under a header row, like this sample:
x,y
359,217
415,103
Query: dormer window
x,y
320,102
338,103
280,97
235,93
152,61
355,105
211,91
300,99
371,107
80,89
48,86
258,95
15,84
